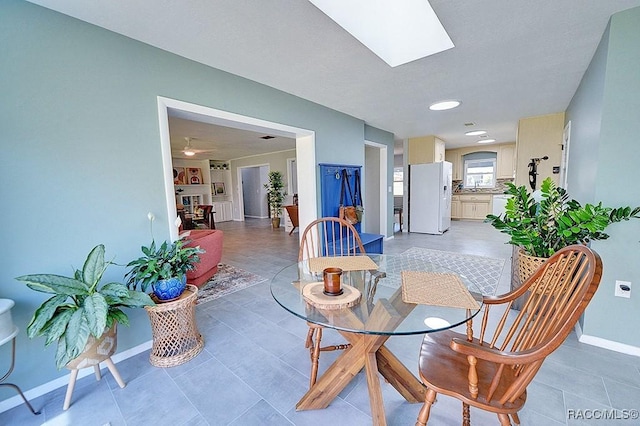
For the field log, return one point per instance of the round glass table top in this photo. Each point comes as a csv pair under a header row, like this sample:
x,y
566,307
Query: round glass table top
x,y
381,308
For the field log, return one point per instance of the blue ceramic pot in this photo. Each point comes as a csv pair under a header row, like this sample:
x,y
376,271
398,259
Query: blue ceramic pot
x,y
170,289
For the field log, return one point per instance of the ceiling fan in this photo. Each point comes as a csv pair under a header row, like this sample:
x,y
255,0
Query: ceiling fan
x,y
190,151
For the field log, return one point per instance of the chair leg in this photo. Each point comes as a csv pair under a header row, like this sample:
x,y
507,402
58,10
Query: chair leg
x,y
466,415
70,386
423,415
504,419
315,356
515,418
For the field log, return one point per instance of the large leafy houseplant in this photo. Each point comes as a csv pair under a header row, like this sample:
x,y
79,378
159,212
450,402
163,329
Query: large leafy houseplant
x,y
80,306
275,193
543,227
168,261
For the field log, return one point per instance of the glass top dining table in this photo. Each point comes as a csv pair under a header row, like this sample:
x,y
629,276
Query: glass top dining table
x,y
367,322
382,283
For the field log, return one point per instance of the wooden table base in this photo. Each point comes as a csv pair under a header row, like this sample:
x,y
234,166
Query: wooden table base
x,y
367,351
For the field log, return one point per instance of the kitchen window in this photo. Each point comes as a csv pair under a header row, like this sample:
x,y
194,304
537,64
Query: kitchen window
x,y
480,170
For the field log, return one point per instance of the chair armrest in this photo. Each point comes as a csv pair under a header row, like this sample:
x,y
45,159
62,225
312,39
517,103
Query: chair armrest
x,y
508,297
495,355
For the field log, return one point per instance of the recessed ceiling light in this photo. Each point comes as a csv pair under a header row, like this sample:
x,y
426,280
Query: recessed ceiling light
x,y
444,105
476,132
397,33
486,140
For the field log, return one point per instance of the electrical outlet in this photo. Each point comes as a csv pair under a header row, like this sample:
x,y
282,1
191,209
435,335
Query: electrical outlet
x,y
623,289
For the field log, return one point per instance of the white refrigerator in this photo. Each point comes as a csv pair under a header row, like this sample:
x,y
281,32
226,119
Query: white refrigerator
x,y
430,197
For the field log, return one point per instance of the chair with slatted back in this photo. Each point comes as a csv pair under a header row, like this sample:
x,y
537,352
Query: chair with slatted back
x,y
491,371
327,236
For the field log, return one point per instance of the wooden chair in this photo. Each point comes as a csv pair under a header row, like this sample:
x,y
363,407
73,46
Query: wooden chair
x,y
293,215
493,375
207,216
327,236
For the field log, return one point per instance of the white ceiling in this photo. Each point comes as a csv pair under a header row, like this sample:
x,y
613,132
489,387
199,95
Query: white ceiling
x,y
512,58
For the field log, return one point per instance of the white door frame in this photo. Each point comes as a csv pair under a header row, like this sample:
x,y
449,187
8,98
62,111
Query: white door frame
x,y
305,152
564,162
382,185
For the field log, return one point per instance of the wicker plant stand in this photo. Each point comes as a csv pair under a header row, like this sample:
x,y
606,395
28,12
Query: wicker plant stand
x,y
176,338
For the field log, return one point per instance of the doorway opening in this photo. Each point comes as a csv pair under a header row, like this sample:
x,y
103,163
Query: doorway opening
x,y
252,193
305,154
376,196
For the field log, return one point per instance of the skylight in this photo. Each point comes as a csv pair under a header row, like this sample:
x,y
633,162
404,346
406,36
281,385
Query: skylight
x,y
397,31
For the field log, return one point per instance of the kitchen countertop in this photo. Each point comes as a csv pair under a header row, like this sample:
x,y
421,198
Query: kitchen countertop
x,y
471,192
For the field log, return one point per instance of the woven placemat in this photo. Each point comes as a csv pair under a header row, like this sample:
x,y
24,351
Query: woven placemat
x,y
436,288
346,263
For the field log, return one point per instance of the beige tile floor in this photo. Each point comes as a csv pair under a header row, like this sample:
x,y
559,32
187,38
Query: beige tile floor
x,y
254,367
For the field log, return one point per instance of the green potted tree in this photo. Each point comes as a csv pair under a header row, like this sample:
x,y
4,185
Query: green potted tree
x,y
275,197
164,268
539,228
81,308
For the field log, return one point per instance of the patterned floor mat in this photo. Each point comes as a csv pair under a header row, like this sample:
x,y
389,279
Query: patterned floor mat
x,y
483,272
227,280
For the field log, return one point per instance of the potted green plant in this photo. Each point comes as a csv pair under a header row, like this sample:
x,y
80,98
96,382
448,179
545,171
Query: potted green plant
x,y
81,308
163,268
542,227
275,197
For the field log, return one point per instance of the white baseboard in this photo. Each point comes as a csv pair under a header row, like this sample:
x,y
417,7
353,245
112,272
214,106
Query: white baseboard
x,y
38,391
606,344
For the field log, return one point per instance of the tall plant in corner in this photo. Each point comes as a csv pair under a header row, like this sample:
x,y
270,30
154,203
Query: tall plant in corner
x,y
275,195
80,306
543,227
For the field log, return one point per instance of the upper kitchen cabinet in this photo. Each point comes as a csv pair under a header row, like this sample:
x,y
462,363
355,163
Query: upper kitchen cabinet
x,y
506,168
453,156
424,149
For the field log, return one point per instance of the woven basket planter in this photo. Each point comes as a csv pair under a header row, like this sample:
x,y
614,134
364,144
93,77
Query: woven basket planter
x,y
527,265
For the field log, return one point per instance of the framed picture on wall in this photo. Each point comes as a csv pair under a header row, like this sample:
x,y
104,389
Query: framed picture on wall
x,y
218,188
179,177
194,176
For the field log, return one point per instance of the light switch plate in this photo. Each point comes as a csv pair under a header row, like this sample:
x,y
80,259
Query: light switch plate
x,y
619,292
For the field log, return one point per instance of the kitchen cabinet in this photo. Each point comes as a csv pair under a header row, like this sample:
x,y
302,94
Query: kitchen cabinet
x,y
425,149
455,207
453,156
475,206
223,211
506,168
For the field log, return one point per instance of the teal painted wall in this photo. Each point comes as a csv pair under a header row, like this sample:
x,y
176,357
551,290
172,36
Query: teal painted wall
x,y
604,113
81,152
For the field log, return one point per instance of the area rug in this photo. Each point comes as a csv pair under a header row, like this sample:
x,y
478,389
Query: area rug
x,y
227,280
483,272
